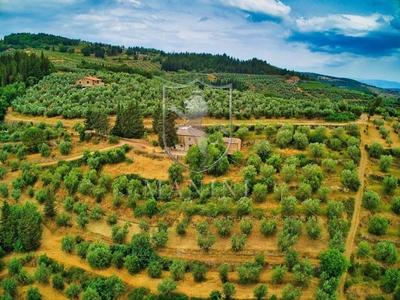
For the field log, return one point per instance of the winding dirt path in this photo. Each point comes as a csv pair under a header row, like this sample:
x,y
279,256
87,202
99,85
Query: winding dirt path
x,y
356,214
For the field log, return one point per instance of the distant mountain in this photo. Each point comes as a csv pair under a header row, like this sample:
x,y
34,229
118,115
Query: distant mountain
x,y
384,84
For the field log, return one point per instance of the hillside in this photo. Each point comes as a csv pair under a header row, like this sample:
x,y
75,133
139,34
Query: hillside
x,y
68,53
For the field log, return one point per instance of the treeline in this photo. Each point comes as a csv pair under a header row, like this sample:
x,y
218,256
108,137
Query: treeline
x,y
17,71
115,68
38,40
220,63
22,67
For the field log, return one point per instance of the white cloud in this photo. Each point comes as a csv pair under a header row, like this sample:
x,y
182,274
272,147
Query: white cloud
x,y
350,25
274,8
134,2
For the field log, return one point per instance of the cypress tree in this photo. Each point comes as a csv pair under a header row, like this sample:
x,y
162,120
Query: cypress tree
x,y
8,227
49,207
119,122
171,137
30,227
133,127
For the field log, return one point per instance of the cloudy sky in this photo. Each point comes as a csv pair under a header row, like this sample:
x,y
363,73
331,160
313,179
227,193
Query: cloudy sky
x,y
356,38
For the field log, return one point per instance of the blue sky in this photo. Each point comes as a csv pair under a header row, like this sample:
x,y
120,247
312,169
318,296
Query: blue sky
x,y
356,39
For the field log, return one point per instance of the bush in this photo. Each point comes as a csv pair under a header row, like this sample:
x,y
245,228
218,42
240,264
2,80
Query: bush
x,y
223,272
132,264
350,179
112,219
63,219
371,200
199,271
118,259
73,291
177,269
14,266
390,184
395,205
260,291
363,249
249,273
378,225
246,225
223,226
58,282
68,244
229,290
33,293
65,147
98,255
268,228
155,269
313,228
82,249
386,252
278,274
237,243
9,286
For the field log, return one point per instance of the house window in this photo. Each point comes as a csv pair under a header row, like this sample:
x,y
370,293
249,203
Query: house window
x,y
189,139
87,82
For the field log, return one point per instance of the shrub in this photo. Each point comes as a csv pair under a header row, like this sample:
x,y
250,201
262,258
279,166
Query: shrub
x,y
390,184
14,266
223,272
278,274
177,269
63,219
73,291
65,147
395,205
378,225
98,255
363,249
248,273
199,271
57,282
237,243
386,252
154,270
68,244
118,259
223,226
268,228
33,293
229,290
132,264
371,200
112,219
246,225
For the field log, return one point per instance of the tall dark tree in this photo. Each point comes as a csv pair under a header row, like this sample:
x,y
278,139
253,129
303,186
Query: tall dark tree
x,y
49,206
8,227
129,123
134,121
30,227
171,137
97,120
119,122
157,116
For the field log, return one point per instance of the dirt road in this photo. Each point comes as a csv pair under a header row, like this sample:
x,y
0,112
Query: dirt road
x,y
356,214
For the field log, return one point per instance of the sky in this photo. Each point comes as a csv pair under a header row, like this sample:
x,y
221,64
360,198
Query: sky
x,y
354,39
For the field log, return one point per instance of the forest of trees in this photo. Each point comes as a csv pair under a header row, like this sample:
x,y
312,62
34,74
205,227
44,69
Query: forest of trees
x,y
220,63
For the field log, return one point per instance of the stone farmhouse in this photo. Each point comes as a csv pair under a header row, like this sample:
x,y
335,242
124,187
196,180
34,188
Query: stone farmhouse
x,y
89,81
189,136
